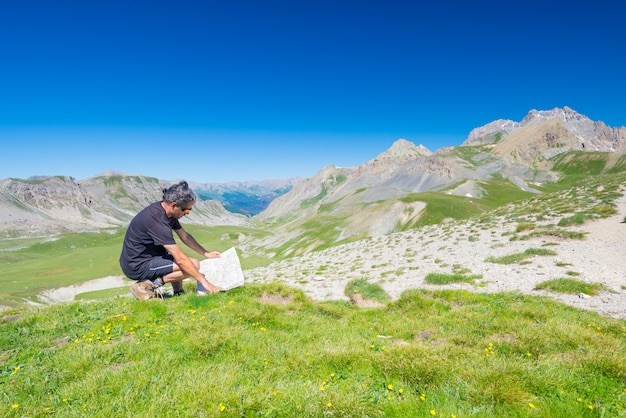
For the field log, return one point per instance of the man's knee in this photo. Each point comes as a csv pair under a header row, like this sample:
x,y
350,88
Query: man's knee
x,y
196,263
179,274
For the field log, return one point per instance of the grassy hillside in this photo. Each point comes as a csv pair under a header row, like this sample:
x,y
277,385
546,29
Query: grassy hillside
x,y
325,229
269,351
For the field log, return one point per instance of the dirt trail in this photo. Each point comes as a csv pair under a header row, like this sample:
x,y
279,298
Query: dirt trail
x,y
68,294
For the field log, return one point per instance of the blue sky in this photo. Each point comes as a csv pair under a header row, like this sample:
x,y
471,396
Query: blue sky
x,y
217,91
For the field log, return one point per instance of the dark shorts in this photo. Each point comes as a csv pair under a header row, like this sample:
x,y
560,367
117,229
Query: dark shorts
x,y
155,268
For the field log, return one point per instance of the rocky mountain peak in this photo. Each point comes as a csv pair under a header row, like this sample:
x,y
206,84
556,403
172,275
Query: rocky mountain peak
x,y
486,133
405,150
560,129
111,173
565,115
493,131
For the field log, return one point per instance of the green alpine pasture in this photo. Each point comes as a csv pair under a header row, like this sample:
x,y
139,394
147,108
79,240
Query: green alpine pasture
x,y
31,266
269,351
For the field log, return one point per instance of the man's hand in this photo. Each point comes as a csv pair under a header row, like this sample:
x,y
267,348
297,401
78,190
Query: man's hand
x,y
212,254
211,288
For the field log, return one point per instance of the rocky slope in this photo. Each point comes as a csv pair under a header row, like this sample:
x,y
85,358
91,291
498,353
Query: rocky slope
x,y
402,261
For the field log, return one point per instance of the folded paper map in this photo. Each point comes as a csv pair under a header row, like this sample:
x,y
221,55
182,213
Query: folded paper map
x,y
225,271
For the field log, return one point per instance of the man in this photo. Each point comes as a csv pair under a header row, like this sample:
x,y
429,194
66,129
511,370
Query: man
x,y
150,254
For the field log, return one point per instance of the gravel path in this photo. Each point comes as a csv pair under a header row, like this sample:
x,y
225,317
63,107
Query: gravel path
x,y
401,261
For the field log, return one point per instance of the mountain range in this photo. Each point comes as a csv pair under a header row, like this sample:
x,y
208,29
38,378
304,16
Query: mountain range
x,y
503,159
499,162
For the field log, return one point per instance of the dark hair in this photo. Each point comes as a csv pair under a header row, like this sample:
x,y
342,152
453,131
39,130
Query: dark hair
x,y
179,193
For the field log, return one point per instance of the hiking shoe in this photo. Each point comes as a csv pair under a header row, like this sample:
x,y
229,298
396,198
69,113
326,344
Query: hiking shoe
x,y
143,290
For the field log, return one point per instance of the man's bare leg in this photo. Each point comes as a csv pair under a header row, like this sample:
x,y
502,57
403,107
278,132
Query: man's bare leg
x,y
177,276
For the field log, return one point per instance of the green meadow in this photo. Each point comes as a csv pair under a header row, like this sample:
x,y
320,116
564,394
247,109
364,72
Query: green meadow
x,y
31,266
267,350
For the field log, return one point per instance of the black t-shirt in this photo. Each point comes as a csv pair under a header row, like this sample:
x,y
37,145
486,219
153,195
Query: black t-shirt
x,y
147,233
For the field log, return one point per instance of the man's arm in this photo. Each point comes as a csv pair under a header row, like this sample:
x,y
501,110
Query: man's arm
x,y
187,266
191,242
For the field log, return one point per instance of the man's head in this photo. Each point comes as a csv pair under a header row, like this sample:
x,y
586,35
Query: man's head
x,y
179,196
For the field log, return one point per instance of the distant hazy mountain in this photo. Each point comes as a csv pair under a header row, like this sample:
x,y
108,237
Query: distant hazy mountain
x,y
247,198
